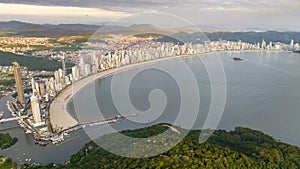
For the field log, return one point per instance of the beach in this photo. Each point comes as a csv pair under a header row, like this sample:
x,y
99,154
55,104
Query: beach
x,y
60,118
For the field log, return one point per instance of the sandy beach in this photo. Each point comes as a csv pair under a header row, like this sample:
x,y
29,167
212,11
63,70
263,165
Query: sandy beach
x,y
59,115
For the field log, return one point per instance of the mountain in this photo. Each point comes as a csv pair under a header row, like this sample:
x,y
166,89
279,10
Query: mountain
x,y
48,30
183,34
41,30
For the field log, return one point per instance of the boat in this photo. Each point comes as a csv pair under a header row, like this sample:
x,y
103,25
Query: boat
x,y
28,160
43,143
66,133
237,58
297,51
1,114
28,131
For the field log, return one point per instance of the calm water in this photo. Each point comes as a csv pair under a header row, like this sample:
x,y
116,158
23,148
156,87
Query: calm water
x,y
262,93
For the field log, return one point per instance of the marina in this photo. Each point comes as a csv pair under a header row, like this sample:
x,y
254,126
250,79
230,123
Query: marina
x,y
45,139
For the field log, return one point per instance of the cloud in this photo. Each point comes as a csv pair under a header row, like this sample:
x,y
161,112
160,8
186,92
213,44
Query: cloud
x,y
21,9
281,13
142,5
139,5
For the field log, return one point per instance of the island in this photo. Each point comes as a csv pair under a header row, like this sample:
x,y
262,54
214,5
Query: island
x,y
6,141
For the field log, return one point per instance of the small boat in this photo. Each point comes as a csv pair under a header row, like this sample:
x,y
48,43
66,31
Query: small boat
x,y
42,143
28,131
66,134
1,114
297,51
237,58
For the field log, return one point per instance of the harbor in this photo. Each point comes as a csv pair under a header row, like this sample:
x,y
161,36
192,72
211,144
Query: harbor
x,y
47,137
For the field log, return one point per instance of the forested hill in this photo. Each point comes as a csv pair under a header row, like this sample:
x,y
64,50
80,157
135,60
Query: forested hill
x,y
32,63
242,148
15,28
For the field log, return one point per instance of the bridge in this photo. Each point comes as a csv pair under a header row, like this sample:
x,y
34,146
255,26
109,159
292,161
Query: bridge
x,y
12,119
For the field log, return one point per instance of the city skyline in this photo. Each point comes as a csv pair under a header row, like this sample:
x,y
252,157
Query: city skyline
x,y
272,15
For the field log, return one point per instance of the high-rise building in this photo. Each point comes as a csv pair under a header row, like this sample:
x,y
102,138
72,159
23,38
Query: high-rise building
x,y
57,77
64,65
19,84
37,88
52,90
87,69
75,73
35,108
42,89
264,44
292,44
33,86
82,68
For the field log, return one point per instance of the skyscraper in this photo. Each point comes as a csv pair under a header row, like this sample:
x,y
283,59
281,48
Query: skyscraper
x,y
64,65
33,86
35,108
292,44
42,89
264,44
18,79
75,73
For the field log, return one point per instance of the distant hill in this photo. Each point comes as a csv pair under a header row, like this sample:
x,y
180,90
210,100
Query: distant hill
x,y
32,63
37,30
16,28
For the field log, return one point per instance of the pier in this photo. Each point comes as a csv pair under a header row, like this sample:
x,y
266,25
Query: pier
x,y
12,119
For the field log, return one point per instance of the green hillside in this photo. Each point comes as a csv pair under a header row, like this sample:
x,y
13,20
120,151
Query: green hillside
x,y
242,148
32,63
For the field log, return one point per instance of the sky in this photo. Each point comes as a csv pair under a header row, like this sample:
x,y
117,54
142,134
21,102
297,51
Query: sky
x,y
233,14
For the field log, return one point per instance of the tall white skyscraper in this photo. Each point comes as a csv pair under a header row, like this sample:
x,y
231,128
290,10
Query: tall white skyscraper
x,y
57,77
60,73
82,68
35,108
33,86
87,69
63,61
52,90
292,44
37,88
264,44
75,73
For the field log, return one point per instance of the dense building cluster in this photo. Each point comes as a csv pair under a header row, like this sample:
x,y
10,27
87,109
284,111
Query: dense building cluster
x,y
21,44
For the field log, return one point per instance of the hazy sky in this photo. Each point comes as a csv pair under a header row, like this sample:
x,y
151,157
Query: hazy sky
x,y
269,14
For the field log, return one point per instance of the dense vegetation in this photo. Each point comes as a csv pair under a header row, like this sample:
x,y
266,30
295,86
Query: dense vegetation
x,y
6,163
6,141
32,63
242,148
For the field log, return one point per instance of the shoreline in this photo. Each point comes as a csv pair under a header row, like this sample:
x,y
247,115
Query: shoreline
x,y
59,116
58,113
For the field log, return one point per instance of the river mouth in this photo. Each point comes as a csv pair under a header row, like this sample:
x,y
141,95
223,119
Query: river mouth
x,y
262,93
